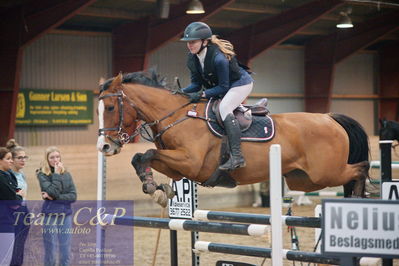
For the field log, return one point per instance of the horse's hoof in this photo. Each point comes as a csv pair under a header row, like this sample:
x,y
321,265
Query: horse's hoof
x,y
149,188
168,190
160,197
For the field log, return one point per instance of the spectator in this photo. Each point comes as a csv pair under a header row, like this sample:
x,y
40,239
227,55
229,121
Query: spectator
x,y
9,201
23,223
58,192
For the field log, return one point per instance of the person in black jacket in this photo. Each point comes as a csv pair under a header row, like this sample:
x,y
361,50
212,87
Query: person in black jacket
x,y
59,192
213,65
9,201
22,225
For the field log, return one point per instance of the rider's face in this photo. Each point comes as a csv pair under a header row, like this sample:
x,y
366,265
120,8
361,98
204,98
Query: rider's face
x,y
194,46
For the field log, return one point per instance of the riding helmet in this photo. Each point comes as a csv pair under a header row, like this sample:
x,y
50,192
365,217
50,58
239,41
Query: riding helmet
x,y
197,31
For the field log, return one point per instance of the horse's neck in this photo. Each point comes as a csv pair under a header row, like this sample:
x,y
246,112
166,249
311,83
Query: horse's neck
x,y
154,103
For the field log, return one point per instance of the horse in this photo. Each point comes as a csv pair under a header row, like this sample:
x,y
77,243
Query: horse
x,y
389,130
318,150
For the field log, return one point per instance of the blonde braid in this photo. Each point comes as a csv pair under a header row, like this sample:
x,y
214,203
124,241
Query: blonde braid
x,y
225,46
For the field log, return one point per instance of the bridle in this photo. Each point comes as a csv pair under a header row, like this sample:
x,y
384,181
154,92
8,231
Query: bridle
x,y
142,130
123,137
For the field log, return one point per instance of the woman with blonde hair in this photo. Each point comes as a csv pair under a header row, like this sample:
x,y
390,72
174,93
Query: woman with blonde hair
x,y
19,158
213,65
59,192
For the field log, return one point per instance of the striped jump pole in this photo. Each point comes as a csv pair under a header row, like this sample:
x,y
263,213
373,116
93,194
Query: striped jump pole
x,y
377,164
189,225
293,193
252,218
203,246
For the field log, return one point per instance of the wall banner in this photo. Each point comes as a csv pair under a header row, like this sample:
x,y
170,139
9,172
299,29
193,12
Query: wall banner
x,y
37,107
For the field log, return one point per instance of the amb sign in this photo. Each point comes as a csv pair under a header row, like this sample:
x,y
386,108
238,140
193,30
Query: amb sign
x,y
54,107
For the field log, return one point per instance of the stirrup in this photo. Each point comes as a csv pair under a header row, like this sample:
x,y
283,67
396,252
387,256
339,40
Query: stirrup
x,y
229,166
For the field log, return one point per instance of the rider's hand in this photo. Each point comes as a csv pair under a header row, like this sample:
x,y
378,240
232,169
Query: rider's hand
x,y
195,96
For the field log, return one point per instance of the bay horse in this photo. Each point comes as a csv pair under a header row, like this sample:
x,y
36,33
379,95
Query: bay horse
x,y
318,150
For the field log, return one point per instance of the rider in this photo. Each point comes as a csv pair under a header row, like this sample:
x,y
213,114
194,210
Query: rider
x,y
213,65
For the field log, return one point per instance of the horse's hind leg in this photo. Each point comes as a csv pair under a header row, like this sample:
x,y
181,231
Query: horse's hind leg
x,y
359,189
357,186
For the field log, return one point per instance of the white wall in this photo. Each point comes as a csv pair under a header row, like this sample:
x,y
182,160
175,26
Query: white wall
x,y
357,75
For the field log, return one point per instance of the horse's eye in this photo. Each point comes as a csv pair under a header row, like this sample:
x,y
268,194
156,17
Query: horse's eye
x,y
109,108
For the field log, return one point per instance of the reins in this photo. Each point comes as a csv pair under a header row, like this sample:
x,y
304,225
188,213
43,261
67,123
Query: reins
x,y
142,129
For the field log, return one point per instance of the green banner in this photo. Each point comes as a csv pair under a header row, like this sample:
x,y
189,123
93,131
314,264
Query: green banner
x,y
54,107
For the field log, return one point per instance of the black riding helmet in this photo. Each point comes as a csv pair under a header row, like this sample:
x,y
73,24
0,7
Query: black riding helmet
x,y
197,31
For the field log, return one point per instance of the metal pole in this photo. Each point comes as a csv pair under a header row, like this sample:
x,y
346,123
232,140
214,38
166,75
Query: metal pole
x,y
195,259
173,248
386,174
386,161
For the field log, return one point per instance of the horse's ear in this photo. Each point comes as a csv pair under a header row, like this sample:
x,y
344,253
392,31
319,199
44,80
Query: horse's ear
x,y
101,81
117,82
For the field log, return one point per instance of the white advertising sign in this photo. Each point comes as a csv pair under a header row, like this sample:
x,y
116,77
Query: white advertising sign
x,y
390,191
361,226
181,205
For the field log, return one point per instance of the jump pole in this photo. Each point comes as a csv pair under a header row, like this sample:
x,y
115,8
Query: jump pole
x,y
189,225
276,204
101,193
300,221
203,246
386,174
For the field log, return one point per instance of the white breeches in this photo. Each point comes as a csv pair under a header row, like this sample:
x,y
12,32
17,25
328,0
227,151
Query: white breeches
x,y
233,98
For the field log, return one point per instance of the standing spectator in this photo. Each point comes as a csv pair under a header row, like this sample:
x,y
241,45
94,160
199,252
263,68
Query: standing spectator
x,y
58,192
23,223
9,200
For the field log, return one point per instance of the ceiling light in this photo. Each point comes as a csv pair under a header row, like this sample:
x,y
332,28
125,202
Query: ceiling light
x,y
195,7
345,21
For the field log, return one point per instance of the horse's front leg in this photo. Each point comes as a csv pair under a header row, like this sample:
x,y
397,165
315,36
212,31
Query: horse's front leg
x,y
141,163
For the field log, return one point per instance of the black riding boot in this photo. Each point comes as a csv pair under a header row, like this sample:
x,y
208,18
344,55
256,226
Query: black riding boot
x,y
233,132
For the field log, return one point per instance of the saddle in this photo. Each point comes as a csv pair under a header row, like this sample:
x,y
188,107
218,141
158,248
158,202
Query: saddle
x,y
243,113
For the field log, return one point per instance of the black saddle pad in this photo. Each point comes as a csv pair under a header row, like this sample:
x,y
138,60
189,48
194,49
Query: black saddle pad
x,y
262,128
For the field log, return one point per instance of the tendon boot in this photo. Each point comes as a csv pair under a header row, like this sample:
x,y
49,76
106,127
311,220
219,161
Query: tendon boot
x,y
233,132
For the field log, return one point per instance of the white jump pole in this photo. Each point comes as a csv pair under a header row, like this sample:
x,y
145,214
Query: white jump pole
x,y
101,185
276,204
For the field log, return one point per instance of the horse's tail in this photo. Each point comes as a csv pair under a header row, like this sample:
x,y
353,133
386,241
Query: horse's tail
x,y
358,147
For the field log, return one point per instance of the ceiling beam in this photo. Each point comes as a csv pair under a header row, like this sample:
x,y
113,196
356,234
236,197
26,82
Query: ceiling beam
x,y
42,16
20,26
164,30
117,13
133,42
269,32
113,13
322,54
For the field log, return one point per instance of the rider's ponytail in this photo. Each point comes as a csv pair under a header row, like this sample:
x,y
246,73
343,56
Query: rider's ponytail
x,y
225,46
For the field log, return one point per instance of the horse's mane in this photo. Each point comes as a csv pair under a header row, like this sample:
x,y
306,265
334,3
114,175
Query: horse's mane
x,y
148,78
